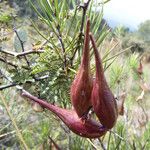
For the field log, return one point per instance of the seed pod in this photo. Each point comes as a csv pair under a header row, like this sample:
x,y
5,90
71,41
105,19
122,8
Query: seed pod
x,y
82,85
103,100
89,128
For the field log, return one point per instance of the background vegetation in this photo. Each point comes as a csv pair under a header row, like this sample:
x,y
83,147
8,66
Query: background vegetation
x,y
40,50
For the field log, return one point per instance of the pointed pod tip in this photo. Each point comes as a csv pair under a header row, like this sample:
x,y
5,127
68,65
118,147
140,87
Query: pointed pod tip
x,y
88,21
94,45
88,25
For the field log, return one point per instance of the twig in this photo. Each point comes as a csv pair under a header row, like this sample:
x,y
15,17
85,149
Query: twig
x,y
62,45
29,52
14,84
84,7
7,86
7,52
13,65
8,63
21,53
13,122
7,78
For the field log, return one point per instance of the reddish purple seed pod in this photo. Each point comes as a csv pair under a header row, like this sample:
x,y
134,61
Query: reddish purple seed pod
x,y
81,87
103,101
88,128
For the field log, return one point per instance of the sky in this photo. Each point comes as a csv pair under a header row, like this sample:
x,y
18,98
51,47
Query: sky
x,y
127,12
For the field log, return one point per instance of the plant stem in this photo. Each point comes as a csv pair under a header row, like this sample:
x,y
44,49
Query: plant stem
x,y
8,63
62,45
21,53
14,84
84,7
7,86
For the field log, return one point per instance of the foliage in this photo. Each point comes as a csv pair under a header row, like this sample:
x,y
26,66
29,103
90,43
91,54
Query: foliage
x,y
49,73
139,40
144,31
121,31
6,14
134,42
